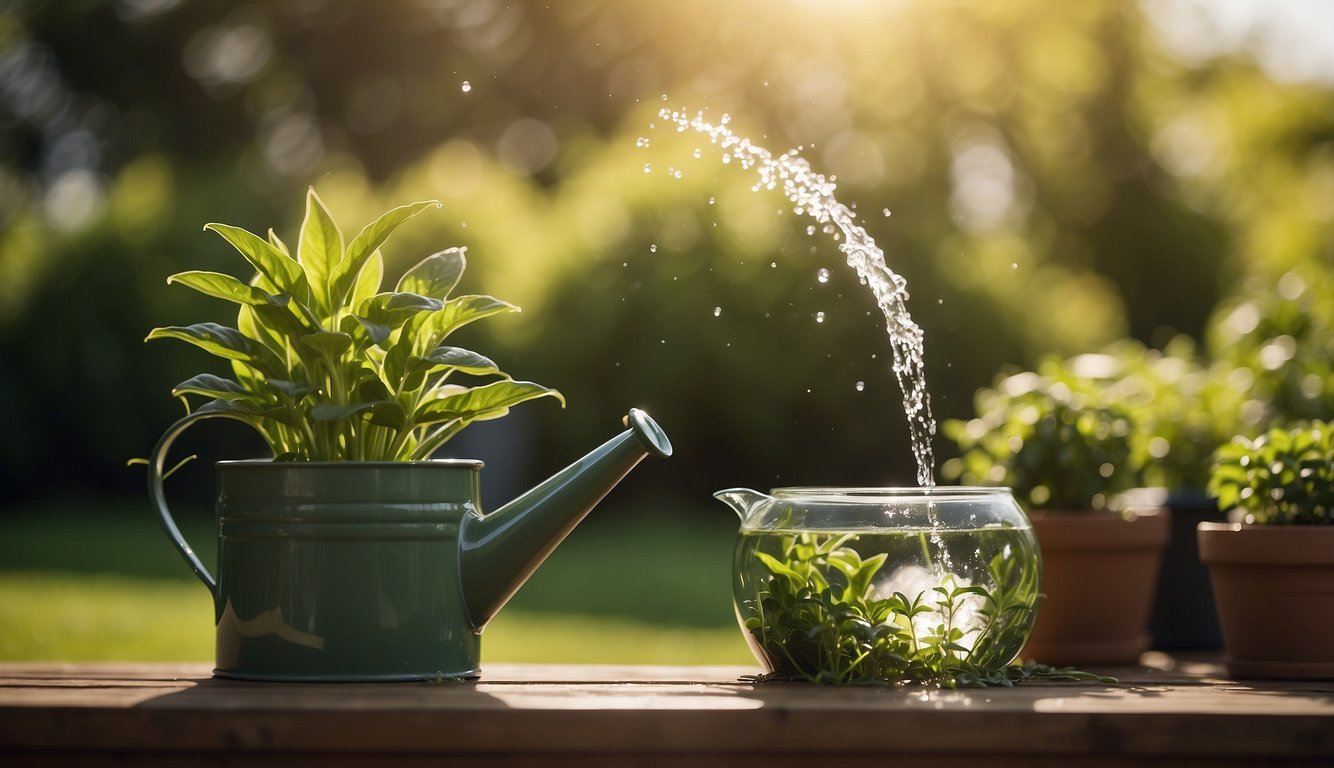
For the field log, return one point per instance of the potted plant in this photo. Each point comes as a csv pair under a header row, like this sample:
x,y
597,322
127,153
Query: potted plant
x,y
1066,457
1273,569
351,554
1180,410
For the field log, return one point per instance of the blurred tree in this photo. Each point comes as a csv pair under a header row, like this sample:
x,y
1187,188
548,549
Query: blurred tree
x,y
1057,180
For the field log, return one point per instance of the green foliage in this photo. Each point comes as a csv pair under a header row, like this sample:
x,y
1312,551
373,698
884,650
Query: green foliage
x,y
819,618
1052,444
1275,341
1139,187
329,368
1180,407
1283,477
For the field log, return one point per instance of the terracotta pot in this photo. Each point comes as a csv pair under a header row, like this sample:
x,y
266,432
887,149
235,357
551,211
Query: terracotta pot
x,y
1274,585
1099,571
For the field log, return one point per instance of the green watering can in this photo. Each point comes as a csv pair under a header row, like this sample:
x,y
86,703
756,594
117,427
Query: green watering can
x,y
352,571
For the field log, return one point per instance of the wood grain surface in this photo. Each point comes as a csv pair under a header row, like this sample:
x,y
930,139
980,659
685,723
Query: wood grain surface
x,y
1168,712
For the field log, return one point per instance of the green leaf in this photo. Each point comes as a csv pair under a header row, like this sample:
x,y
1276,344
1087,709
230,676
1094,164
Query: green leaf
x,y
457,358
367,282
209,385
244,411
394,309
389,414
249,324
482,403
292,390
860,582
226,287
281,322
332,412
277,267
363,331
320,249
373,389
277,242
366,243
460,311
424,332
222,341
779,568
328,343
436,275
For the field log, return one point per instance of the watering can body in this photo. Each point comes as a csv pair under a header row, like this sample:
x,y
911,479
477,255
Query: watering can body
x,y
351,571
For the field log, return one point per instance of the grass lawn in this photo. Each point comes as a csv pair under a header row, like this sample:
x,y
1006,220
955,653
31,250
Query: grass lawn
x,y
82,584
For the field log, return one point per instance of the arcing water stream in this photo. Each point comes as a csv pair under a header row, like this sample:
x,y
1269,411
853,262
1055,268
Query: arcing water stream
x,y
813,195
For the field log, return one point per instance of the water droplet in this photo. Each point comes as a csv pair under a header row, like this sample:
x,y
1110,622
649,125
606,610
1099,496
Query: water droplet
x,y
822,275
653,248
641,142
886,212
861,385
648,168
467,86
819,317
717,311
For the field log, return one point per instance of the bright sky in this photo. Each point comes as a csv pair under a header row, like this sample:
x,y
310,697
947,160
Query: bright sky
x,y
1292,40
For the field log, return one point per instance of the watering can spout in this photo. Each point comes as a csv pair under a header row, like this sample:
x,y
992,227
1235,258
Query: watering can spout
x,y
741,500
501,549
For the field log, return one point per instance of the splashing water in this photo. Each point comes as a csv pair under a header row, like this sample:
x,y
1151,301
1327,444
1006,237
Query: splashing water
x,y
812,194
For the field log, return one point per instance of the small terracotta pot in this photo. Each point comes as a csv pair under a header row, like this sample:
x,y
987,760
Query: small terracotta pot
x,y
1099,571
1274,586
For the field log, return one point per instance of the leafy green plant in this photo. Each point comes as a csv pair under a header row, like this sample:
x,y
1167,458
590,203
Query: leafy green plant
x,y
1056,447
1275,340
819,619
1283,477
327,367
1180,409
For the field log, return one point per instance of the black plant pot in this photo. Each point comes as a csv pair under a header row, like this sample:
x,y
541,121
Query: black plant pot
x,y
1183,617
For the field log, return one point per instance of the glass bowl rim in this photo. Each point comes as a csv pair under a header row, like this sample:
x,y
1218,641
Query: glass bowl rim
x,y
869,494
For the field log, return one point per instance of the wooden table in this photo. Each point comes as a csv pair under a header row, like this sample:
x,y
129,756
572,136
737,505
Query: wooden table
x,y
1167,712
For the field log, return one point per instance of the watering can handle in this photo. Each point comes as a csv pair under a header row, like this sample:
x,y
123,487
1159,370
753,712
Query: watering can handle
x,y
158,497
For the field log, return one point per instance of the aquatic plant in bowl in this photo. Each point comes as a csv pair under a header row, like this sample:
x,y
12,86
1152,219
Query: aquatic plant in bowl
x,y
1066,456
1273,569
352,554
885,586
